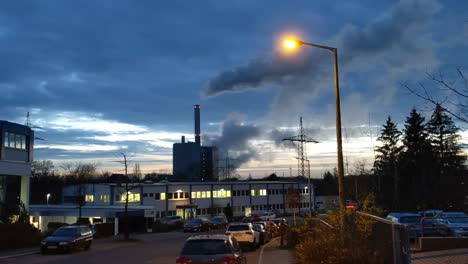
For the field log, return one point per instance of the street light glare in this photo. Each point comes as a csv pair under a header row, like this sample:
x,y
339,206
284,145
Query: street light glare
x,y
290,43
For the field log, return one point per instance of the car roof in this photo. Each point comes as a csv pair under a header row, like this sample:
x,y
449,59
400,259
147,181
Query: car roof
x,y
73,226
209,237
400,214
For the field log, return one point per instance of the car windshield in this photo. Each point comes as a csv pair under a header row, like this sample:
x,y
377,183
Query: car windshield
x,y
65,232
206,247
258,226
458,220
195,221
410,219
238,228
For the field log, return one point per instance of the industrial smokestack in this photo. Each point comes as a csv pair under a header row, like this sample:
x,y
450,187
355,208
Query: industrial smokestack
x,y
197,124
183,139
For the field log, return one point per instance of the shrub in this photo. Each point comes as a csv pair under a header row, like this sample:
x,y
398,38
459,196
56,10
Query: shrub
x,y
316,241
18,235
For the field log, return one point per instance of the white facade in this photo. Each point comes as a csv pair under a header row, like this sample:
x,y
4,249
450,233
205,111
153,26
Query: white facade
x,y
16,156
155,200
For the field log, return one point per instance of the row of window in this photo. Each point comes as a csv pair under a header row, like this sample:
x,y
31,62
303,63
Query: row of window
x,y
16,141
135,197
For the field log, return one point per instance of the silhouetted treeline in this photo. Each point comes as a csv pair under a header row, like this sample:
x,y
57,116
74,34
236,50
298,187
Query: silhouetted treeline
x,y
45,180
422,166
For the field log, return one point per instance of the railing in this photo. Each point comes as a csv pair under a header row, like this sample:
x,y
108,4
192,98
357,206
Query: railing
x,y
390,240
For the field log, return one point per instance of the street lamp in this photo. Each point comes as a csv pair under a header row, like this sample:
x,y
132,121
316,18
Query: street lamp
x,y
47,197
291,43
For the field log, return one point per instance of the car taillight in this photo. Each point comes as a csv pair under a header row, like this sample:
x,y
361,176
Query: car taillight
x,y
229,260
183,260
250,233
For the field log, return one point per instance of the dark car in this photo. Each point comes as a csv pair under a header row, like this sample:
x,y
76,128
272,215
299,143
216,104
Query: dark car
x,y
197,225
174,220
217,222
67,239
264,234
213,249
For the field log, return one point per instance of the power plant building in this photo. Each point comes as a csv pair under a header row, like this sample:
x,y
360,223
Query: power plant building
x,y
193,162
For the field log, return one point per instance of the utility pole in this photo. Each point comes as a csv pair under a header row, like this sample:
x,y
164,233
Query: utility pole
x,y
302,139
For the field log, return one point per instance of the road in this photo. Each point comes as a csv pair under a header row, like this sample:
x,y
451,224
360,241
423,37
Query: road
x,y
147,248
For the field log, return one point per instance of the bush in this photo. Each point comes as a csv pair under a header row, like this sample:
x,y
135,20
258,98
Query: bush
x,y
318,242
19,235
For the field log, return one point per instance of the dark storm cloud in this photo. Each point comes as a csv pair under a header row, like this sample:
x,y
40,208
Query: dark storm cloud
x,y
391,31
234,138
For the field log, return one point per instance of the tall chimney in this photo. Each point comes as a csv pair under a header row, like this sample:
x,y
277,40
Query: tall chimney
x,y
197,124
183,139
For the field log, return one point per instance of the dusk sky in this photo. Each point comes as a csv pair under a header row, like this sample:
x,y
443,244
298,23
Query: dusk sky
x,y
104,77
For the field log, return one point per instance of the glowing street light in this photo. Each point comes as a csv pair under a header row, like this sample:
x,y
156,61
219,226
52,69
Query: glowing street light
x,y
47,198
292,43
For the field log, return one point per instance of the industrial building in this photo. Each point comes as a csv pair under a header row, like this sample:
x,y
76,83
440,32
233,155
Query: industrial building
x,y
16,156
105,202
193,162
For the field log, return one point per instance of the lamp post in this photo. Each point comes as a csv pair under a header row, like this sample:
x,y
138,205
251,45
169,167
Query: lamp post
x,y
291,43
47,198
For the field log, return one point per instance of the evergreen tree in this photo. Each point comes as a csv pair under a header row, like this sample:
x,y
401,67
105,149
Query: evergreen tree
x,y
448,160
414,162
386,164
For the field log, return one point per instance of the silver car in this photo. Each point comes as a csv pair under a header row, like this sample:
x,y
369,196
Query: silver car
x,y
213,249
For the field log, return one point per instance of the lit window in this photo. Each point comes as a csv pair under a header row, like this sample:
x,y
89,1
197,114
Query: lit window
x,y
252,192
215,194
194,195
132,197
163,196
203,195
104,198
89,198
198,195
208,194
263,192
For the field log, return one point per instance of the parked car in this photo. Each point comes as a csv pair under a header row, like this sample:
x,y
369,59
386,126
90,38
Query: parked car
x,y
213,249
172,220
253,217
264,235
197,225
245,234
412,220
67,239
453,226
267,216
219,221
280,221
430,213
451,214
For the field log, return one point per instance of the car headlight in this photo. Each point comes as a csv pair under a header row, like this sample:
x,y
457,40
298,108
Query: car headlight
x,y
63,243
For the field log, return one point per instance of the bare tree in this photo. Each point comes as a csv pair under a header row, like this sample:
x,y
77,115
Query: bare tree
x,y
293,199
457,88
127,187
80,174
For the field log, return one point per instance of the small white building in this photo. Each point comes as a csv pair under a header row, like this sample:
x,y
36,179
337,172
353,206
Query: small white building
x,y
16,156
105,202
